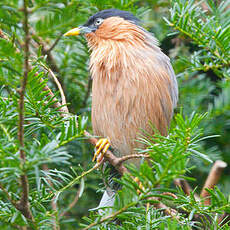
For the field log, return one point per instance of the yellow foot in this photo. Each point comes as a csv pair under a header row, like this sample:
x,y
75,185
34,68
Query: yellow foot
x,y
140,185
102,146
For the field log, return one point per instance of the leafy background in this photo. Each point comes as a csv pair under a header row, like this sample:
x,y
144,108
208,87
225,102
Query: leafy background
x,y
195,35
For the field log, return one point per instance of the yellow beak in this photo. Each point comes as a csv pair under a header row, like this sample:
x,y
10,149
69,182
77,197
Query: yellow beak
x,y
73,32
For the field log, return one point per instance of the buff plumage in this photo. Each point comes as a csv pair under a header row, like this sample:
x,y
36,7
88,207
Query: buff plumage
x,y
134,85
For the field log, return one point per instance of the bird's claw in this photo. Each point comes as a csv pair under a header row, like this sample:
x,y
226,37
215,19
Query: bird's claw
x,y
102,146
140,185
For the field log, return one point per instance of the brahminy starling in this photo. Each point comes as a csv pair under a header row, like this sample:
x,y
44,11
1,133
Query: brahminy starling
x,y
134,86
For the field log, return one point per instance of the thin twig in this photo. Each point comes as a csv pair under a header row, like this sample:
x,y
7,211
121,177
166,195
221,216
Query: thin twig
x,y
131,156
169,194
167,210
13,202
45,51
63,109
54,44
72,204
212,179
75,180
59,88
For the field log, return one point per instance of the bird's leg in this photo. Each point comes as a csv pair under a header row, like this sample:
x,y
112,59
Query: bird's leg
x,y
102,146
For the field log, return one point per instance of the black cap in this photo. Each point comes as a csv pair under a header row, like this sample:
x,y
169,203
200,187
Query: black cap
x,y
112,13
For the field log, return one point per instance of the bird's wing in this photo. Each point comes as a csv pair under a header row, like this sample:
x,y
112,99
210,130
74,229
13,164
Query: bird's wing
x,y
165,61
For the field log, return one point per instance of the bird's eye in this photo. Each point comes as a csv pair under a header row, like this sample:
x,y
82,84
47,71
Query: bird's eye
x,y
98,21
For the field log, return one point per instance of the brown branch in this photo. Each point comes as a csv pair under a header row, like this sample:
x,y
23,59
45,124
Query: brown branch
x,y
131,156
212,179
117,164
159,205
23,204
170,194
23,84
184,185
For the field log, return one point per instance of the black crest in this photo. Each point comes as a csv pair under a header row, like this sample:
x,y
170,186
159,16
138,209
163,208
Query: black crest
x,y
113,13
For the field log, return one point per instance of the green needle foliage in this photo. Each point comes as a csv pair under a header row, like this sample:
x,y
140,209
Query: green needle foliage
x,y
209,29
61,181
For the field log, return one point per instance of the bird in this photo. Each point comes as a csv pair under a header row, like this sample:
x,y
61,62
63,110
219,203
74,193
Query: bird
x,y
134,87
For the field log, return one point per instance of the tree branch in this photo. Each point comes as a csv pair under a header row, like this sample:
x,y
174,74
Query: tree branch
x,y
131,156
23,204
212,179
184,185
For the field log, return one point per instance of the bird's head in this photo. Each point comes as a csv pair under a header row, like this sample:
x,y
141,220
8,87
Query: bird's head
x,y
117,41
110,24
